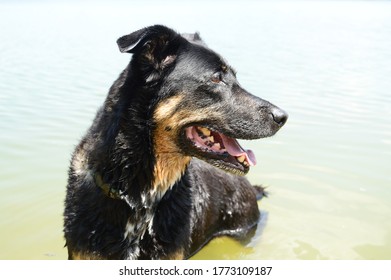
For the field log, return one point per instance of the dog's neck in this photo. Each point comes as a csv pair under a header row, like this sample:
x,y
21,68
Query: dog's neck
x,y
168,169
137,161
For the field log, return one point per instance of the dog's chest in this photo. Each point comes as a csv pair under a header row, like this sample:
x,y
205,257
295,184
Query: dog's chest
x,y
135,231
140,224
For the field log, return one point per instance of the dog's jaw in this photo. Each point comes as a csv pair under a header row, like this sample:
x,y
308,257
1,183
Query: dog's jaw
x,y
218,149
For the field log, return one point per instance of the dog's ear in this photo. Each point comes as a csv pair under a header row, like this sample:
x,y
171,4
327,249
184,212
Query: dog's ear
x,y
194,38
155,45
128,43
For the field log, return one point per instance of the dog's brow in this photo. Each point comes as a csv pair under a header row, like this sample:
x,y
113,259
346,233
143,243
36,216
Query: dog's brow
x,y
226,68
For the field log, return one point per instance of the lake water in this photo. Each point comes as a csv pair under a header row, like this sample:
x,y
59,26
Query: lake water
x,y
328,64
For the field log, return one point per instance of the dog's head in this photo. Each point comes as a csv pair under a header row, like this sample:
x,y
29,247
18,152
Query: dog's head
x,y
199,108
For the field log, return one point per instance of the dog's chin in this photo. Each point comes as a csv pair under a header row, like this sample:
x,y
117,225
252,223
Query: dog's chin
x,y
217,149
228,165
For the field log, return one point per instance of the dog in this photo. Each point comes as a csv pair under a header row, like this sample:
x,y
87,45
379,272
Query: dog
x,y
160,172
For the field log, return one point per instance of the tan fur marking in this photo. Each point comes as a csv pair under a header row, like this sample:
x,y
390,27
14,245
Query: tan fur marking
x,y
170,162
80,162
167,108
178,255
84,256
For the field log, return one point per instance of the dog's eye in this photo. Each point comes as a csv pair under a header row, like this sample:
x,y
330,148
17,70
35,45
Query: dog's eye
x,y
217,77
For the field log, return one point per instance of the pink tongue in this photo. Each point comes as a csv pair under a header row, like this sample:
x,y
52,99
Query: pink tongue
x,y
233,148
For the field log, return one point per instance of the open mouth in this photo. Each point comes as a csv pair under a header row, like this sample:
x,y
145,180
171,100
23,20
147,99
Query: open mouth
x,y
219,150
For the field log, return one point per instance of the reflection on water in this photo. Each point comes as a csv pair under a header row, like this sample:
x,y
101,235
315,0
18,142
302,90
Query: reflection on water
x,y
326,63
305,251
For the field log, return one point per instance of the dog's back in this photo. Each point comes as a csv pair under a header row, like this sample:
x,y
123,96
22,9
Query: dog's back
x,y
223,204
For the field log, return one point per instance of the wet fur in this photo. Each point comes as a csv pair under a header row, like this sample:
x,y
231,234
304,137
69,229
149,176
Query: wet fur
x,y
168,203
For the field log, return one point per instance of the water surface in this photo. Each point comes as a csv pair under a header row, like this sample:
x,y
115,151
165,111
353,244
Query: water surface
x,y
327,63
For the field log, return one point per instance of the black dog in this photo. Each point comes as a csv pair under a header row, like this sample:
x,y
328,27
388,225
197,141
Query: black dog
x,y
135,189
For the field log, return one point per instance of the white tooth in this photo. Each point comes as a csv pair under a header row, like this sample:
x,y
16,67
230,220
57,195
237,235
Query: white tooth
x,y
204,131
246,163
211,139
217,146
241,158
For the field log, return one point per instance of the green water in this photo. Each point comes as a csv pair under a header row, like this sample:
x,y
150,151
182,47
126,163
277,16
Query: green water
x,y
327,63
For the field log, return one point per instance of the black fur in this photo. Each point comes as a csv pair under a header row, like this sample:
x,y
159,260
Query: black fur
x,y
141,218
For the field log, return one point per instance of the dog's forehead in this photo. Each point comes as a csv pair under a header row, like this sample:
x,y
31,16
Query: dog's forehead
x,y
203,58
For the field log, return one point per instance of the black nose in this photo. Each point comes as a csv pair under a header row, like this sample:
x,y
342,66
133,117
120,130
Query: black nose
x,y
279,116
